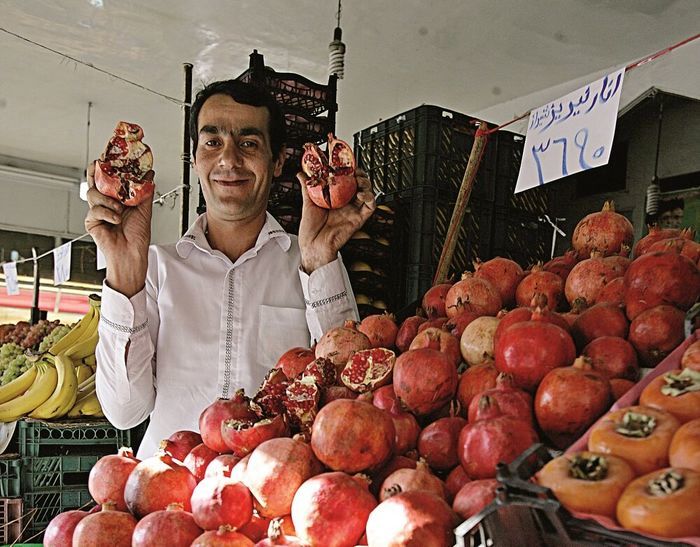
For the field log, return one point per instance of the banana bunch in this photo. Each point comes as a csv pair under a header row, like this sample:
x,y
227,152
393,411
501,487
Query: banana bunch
x,y
80,343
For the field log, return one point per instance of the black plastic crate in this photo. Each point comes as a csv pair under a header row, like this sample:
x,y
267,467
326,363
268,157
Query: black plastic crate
x,y
11,520
99,437
41,507
52,472
520,236
10,475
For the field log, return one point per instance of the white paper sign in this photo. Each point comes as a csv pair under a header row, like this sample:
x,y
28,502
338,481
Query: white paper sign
x,y
101,260
61,263
571,134
11,284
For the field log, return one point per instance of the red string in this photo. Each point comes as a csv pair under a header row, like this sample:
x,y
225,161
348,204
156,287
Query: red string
x,y
631,66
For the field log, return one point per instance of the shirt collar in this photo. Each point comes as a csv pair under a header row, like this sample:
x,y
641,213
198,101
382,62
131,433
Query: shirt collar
x,y
196,237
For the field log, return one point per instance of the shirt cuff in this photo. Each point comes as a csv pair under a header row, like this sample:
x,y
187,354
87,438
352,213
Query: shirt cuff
x,y
324,286
122,314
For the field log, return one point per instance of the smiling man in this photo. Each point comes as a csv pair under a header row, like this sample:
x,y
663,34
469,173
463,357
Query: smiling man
x,y
185,323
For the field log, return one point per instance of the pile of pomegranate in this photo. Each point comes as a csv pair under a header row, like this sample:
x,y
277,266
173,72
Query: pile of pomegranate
x,y
386,434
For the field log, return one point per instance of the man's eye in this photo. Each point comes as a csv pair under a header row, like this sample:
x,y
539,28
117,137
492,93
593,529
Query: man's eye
x,y
249,144
211,142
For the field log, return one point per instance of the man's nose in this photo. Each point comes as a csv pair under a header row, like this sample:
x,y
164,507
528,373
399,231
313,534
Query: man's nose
x,y
230,156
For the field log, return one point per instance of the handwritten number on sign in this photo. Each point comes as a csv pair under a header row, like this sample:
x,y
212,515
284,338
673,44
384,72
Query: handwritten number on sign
x,y
564,170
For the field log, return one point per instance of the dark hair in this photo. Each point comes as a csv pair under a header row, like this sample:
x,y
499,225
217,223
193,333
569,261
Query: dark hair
x,y
670,204
243,93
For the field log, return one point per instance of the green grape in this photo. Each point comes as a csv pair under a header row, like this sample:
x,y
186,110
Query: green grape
x,y
54,336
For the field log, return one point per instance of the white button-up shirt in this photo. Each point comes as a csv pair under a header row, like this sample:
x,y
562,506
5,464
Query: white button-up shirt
x,y
204,327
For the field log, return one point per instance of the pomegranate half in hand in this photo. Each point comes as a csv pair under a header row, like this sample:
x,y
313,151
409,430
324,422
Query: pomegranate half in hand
x,y
125,169
332,182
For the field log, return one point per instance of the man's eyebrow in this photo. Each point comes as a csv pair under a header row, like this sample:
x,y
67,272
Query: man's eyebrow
x,y
243,132
248,131
211,129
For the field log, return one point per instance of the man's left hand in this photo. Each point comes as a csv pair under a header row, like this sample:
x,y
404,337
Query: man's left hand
x,y
323,232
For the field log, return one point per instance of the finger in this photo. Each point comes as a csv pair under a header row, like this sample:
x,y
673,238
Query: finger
x,y
101,214
97,199
90,172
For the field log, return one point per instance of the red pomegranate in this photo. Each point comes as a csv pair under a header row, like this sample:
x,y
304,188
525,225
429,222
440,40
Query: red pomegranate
x,y
568,401
239,469
218,501
455,481
407,332
277,536
620,386
59,532
210,420
179,444
407,431
199,459
424,380
613,357
256,529
340,343
476,344
613,292
539,281
275,470
294,361
475,294
459,322
605,231
368,369
474,380
437,443
519,315
301,402
223,537
661,278
656,332
655,234
351,436
108,477
395,463
504,274
272,395
331,181
589,276
437,323
484,443
474,496
331,509
440,340
385,398
685,246
108,528
380,329
530,349
434,300
332,393
174,523
406,480
221,466
561,265
510,400
242,436
157,482
414,518
602,319
691,356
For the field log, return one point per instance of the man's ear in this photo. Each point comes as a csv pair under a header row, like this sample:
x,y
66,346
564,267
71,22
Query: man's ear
x,y
279,162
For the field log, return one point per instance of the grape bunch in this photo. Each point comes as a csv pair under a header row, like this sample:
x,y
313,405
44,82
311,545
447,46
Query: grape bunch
x,y
9,354
16,367
18,333
54,336
36,333
5,331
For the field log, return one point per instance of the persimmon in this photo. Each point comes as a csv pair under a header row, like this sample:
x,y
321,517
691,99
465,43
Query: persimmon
x,y
638,434
685,446
677,392
586,481
691,356
663,502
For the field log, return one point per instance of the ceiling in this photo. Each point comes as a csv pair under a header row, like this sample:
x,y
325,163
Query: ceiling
x,y
490,57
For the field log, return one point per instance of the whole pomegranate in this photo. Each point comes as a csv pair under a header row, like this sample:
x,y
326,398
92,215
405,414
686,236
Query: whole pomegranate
x,y
589,276
108,477
685,246
601,319
108,528
210,420
221,466
561,265
332,509
59,532
331,182
475,294
277,535
242,437
406,480
434,300
340,343
199,459
477,341
539,281
336,392
613,292
274,471
385,398
351,436
455,481
437,323
474,380
157,482
380,329
504,274
437,443
459,322
440,340
218,501
407,331
613,357
294,361
620,386
414,518
180,443
656,332
424,380
474,496
655,234
223,537
174,523
605,231
407,431
397,462
519,315
510,400
563,416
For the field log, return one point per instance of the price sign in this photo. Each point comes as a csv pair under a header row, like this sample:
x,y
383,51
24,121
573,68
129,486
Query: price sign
x,y
61,263
571,134
11,284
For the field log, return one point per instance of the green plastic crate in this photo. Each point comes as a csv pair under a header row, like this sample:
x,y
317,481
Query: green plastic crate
x,y
38,438
41,507
10,478
51,472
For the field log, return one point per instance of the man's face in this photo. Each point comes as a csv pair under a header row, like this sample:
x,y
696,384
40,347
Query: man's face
x,y
672,218
233,159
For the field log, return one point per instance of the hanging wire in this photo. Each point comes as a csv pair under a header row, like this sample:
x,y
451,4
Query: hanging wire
x,y
87,137
336,49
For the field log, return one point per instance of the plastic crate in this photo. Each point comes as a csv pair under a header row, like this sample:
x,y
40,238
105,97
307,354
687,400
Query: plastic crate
x,y
520,236
51,472
10,476
41,507
38,438
10,520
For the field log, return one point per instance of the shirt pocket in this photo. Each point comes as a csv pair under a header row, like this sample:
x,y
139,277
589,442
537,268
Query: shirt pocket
x,y
280,329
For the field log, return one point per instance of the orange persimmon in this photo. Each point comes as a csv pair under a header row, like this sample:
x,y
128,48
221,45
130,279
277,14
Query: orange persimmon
x,y
586,481
691,356
663,502
677,392
638,434
685,446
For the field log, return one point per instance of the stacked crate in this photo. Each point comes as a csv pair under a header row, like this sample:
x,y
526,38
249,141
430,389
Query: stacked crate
x,y
10,500
417,161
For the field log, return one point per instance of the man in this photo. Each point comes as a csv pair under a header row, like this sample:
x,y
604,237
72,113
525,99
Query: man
x,y
186,323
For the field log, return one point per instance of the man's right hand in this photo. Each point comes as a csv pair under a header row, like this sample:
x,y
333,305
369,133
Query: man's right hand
x,y
123,234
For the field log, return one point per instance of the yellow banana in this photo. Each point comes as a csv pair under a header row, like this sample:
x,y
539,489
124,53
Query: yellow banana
x,y
86,405
83,372
76,334
84,347
41,389
64,395
19,385
91,361
85,385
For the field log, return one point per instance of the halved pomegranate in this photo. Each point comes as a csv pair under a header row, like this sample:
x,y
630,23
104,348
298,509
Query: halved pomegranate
x,y
368,369
332,182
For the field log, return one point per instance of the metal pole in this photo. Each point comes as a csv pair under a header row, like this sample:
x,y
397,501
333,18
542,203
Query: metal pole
x,y
36,312
460,208
186,148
